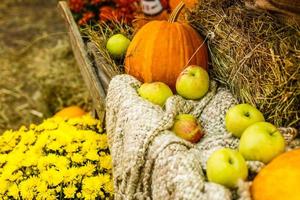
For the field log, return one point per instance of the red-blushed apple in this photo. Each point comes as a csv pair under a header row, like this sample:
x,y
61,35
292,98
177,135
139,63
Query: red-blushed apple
x,y
117,45
240,117
193,82
261,141
186,127
226,167
156,92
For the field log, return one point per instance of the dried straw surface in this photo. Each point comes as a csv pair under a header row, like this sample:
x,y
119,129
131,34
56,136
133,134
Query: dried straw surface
x,y
38,72
255,55
99,35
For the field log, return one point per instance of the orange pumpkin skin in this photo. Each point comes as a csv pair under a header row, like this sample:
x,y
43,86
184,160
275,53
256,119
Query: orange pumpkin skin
x,y
280,179
161,50
70,112
190,4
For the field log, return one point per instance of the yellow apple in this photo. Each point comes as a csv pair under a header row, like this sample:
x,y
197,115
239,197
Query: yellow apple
x,y
261,141
192,83
240,117
117,45
226,166
156,92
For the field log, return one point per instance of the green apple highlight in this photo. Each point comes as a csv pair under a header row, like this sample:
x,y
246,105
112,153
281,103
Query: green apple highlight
x,y
192,83
117,45
186,127
226,166
261,141
156,92
240,117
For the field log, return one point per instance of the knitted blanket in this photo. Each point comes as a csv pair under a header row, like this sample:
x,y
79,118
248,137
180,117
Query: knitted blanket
x,y
151,162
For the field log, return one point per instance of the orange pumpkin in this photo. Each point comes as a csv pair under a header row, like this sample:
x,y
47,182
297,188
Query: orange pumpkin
x,y
280,179
188,3
160,50
70,112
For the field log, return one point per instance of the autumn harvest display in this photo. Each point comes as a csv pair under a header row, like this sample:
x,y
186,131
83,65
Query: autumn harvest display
x,y
160,50
207,104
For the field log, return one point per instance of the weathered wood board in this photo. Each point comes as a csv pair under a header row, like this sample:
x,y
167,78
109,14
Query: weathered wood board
x,y
94,78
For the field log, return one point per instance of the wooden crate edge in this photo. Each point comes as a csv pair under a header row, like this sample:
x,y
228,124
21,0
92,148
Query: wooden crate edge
x,y
86,67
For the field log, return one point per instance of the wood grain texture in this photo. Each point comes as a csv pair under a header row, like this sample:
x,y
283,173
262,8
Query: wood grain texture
x,y
86,67
101,65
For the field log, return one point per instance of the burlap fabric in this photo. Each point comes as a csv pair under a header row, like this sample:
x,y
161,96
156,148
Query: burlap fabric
x,y
150,162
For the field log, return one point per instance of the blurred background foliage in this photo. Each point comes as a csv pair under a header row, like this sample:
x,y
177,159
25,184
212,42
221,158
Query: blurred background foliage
x,y
38,73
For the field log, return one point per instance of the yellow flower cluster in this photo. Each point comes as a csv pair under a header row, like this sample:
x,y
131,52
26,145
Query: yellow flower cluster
x,y
55,160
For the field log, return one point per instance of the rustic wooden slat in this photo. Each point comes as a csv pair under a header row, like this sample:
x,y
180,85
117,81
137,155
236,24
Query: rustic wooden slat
x,y
85,65
100,65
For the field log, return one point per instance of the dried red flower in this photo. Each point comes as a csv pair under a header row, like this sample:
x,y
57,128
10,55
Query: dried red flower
x,y
94,10
107,13
126,3
76,5
85,18
95,2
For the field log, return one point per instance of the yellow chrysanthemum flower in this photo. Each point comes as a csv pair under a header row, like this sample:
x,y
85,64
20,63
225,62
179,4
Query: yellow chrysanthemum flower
x,y
13,191
49,161
52,177
92,155
28,188
3,187
77,158
102,141
3,159
42,187
49,195
70,191
70,174
106,162
109,187
87,170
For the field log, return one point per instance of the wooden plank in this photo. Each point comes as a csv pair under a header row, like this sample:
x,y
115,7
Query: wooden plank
x,y
100,65
85,65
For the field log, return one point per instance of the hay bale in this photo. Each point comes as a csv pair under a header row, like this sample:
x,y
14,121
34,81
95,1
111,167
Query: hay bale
x,y
254,55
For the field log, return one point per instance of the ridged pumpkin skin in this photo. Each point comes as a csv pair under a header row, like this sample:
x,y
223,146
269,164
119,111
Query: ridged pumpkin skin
x,y
280,179
161,50
190,4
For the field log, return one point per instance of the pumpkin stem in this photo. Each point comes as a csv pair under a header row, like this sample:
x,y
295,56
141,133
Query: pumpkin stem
x,y
174,15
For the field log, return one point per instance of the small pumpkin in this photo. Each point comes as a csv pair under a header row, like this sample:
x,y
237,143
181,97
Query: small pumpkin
x,y
280,179
70,112
160,50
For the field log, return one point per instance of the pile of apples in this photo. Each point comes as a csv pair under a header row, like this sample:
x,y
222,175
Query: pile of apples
x,y
259,140
192,84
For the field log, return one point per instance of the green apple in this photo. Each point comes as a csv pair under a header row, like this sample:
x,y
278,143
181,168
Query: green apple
x,y
117,45
186,127
240,117
192,83
156,92
261,141
226,166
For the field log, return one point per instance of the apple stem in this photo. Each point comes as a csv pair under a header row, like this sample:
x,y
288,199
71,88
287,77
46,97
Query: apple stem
x,y
272,133
247,114
174,15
